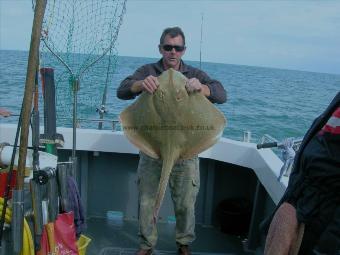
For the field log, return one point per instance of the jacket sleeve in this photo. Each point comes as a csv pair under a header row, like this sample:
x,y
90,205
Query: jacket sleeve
x,y
217,92
124,91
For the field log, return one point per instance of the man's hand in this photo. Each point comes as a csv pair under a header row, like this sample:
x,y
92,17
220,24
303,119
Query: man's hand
x,y
4,112
150,84
193,85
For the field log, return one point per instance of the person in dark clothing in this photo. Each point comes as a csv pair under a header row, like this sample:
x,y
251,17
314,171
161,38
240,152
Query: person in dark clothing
x,y
311,203
184,179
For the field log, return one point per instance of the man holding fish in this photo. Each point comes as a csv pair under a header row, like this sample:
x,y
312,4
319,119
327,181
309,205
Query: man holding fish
x,y
184,178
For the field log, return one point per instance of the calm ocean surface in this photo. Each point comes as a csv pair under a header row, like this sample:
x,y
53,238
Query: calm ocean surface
x,y
282,103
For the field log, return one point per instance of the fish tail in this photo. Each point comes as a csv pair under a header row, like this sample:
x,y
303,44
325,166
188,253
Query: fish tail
x,y
168,163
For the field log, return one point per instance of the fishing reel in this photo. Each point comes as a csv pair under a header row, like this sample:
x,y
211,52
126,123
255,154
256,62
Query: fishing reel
x,y
42,176
101,110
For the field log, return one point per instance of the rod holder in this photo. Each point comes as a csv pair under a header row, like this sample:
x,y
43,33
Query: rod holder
x,y
247,136
17,220
52,189
37,211
64,170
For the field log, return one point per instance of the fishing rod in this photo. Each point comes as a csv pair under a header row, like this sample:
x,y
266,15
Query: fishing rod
x,y
201,41
102,109
18,192
35,190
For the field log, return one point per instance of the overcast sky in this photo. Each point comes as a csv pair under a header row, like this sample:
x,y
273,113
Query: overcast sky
x,y
301,35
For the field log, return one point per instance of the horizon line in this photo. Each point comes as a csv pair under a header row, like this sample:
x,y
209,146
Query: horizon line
x,y
221,63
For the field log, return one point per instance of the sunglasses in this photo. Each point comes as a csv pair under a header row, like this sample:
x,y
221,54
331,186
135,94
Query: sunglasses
x,y
177,48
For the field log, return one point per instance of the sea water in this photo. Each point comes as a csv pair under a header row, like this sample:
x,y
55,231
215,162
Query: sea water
x,y
281,103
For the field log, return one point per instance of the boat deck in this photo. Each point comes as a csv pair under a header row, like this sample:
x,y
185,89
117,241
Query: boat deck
x,y
107,180
121,238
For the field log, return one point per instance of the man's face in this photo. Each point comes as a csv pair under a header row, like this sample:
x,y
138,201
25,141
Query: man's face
x,y
172,55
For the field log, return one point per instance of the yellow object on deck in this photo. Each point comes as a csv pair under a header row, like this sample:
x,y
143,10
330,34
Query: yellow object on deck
x,y
28,245
82,244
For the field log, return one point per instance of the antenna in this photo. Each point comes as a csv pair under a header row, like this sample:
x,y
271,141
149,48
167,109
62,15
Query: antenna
x,y
202,14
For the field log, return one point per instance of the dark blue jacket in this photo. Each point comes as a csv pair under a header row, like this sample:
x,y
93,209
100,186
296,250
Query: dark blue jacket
x,y
298,183
297,174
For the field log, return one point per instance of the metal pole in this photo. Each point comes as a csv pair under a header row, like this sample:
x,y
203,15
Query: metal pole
x,y
50,133
76,84
18,203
